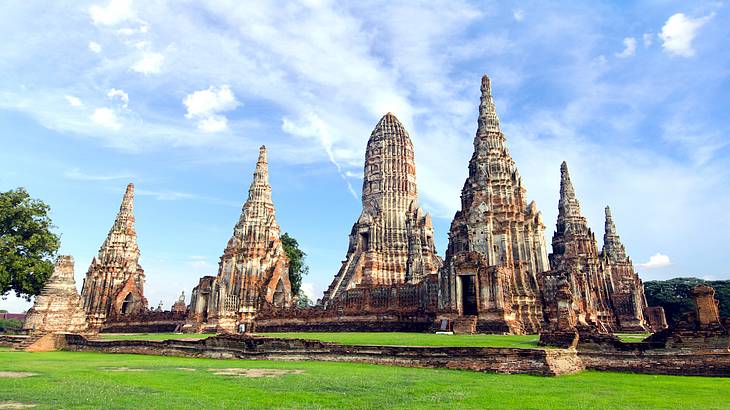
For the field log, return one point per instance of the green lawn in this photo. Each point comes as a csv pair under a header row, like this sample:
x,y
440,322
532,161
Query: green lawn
x,y
95,380
632,337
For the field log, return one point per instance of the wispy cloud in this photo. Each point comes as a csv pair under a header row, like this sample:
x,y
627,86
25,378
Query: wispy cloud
x,y
77,174
629,48
169,195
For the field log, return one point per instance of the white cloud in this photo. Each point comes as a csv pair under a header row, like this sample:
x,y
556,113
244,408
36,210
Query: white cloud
x,y
656,261
678,33
312,292
213,123
129,31
95,47
212,100
648,39
518,14
629,48
205,107
73,101
150,63
115,94
106,117
115,12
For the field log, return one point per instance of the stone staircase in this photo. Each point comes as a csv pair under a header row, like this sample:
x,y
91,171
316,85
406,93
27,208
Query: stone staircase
x,y
29,341
465,324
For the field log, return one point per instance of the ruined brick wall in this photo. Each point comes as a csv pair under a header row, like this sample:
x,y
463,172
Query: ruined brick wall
x,y
500,360
145,322
404,308
656,318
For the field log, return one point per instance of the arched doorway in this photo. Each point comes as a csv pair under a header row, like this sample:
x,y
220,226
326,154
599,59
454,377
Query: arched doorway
x,y
279,294
127,304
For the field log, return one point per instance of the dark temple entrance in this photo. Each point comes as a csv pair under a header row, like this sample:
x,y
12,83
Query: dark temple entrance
x,y
469,295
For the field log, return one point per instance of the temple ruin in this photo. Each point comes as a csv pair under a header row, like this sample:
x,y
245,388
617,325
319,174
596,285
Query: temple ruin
x,y
253,270
392,241
496,242
627,289
58,308
608,294
114,283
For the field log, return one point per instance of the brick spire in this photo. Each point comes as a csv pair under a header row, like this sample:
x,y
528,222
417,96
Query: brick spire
x,y
259,193
258,217
613,249
116,265
121,242
392,241
488,120
568,206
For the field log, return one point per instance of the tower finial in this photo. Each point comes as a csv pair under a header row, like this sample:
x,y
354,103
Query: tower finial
x,y
127,205
488,120
568,204
613,249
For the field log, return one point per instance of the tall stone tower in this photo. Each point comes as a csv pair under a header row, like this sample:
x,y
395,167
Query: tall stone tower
x,y
392,241
575,258
496,242
114,283
254,268
627,295
58,308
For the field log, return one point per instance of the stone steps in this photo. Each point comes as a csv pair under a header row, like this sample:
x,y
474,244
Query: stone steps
x,y
465,324
29,341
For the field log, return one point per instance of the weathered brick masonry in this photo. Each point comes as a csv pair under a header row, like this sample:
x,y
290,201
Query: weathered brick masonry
x,y
600,353
501,360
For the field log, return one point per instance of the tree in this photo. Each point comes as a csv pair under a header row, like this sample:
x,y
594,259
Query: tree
x,y
675,295
27,245
297,267
303,301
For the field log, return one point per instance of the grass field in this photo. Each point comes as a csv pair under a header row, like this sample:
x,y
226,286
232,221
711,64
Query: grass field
x,y
95,380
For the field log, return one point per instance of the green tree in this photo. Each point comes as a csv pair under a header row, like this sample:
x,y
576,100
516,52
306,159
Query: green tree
x,y
675,295
297,267
27,245
303,301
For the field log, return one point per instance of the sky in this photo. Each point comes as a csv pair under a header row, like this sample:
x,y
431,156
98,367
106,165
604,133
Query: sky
x,y
177,96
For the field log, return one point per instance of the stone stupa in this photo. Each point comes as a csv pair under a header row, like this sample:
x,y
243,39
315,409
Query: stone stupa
x,y
58,308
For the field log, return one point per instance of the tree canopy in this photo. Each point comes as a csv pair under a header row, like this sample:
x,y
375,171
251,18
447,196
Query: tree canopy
x,y
675,295
297,267
27,244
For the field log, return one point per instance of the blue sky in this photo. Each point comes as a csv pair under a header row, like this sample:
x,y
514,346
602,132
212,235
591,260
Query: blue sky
x,y
177,96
